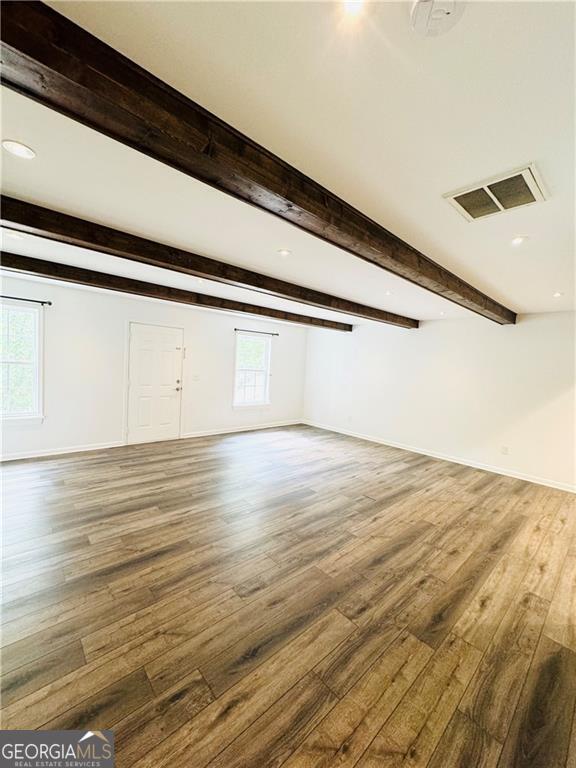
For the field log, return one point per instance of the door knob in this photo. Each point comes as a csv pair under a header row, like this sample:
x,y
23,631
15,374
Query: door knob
x,y
178,389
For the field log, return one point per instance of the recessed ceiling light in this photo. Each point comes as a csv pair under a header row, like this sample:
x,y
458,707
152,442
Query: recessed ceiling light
x,y
353,7
442,314
14,235
557,295
284,252
388,293
18,149
516,241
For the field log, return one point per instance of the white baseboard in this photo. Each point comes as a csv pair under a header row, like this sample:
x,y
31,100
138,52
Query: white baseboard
x,y
231,430
571,488
36,454
59,451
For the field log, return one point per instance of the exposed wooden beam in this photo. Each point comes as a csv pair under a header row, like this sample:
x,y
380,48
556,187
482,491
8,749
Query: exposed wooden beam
x,y
37,220
56,62
70,274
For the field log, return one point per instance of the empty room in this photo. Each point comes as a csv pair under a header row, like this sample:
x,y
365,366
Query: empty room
x,y
288,384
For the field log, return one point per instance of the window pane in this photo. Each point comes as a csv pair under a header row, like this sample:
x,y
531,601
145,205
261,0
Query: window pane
x,y
19,389
252,369
251,353
4,333
20,335
19,356
4,391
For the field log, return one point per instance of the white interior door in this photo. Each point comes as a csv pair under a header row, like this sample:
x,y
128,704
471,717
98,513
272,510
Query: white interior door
x,y
155,383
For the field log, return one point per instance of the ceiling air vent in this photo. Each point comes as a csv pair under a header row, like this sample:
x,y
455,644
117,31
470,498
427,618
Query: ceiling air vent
x,y
499,194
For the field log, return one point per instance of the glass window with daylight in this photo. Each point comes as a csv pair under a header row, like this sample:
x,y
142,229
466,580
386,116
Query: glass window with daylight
x,y
20,360
252,377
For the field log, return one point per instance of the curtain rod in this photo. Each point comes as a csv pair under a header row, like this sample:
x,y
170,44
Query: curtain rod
x,y
264,333
32,301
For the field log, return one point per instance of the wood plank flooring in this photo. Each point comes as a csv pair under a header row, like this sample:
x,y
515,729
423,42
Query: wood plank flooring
x,y
290,597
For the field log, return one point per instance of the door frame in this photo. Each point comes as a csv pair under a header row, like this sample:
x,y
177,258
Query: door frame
x,y
129,324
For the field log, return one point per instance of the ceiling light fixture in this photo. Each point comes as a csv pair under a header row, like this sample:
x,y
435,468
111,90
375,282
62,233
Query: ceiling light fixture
x,y
284,252
353,7
557,295
442,314
516,241
18,149
431,18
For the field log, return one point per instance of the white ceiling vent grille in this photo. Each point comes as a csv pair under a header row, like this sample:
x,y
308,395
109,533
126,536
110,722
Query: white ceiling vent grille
x,y
499,194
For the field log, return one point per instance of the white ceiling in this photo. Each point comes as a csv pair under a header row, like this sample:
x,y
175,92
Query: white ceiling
x,y
82,172
387,120
40,248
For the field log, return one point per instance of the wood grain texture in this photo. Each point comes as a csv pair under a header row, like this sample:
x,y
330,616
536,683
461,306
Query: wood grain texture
x,y
57,63
290,597
505,666
411,734
349,729
465,745
63,228
561,621
79,276
539,736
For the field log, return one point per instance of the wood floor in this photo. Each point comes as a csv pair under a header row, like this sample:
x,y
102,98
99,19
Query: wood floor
x,y
290,597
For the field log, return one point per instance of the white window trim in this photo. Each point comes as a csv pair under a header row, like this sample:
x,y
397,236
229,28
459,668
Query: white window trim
x,y
31,418
267,402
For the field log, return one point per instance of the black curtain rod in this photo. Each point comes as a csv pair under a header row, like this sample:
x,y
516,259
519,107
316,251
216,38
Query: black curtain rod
x,y
264,333
32,301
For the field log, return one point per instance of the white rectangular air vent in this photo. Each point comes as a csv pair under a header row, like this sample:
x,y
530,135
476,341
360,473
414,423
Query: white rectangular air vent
x,y
499,194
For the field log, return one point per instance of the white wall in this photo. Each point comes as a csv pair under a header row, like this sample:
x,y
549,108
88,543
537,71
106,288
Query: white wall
x,y
85,355
458,389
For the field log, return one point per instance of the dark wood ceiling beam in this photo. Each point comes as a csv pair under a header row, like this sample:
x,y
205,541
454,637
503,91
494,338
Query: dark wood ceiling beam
x,y
54,61
34,219
71,274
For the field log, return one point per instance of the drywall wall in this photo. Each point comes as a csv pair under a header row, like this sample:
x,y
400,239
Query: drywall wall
x,y
468,390
85,367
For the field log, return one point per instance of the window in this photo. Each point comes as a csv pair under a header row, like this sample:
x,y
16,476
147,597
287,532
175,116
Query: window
x,y
20,354
251,385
